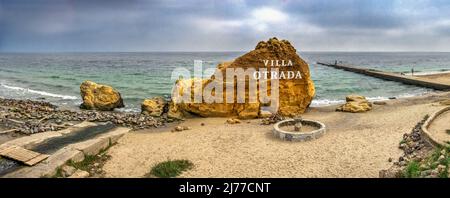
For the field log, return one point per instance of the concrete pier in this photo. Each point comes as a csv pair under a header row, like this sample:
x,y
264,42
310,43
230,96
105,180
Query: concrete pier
x,y
410,80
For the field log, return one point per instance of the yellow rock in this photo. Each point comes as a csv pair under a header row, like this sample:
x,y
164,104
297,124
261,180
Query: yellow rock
x,y
154,106
233,121
174,112
295,95
355,104
100,97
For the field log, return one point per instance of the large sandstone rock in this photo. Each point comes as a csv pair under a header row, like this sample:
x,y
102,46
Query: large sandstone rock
x,y
355,104
99,97
154,106
295,95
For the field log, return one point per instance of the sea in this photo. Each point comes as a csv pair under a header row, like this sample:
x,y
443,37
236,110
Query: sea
x,y
56,77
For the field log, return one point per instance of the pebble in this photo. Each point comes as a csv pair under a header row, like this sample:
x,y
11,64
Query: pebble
x,y
425,173
233,121
67,171
79,174
274,118
37,116
441,168
434,173
379,103
186,128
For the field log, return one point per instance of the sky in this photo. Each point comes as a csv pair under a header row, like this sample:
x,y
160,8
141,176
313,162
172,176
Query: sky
x,y
221,25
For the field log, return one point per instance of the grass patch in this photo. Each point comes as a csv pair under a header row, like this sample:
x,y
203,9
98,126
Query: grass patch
x,y
412,170
171,168
86,164
58,173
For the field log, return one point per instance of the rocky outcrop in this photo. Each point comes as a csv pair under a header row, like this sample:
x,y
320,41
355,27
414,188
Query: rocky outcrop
x,y
295,94
174,112
355,104
100,97
154,106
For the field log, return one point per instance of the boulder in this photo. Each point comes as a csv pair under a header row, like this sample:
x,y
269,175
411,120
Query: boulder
x,y
174,112
154,106
100,97
355,104
80,174
295,94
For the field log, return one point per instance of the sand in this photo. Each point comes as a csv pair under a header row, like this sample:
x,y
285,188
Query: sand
x,y
355,145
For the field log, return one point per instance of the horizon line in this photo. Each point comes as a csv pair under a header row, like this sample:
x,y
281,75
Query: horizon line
x,y
221,51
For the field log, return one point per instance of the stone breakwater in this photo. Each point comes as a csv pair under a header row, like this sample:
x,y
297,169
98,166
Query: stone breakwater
x,y
28,117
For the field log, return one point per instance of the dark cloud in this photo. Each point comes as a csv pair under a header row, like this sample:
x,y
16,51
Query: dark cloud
x,y
139,25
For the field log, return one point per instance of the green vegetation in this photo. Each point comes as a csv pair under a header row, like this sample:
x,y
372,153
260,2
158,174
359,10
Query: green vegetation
x,y
170,168
58,173
89,160
414,168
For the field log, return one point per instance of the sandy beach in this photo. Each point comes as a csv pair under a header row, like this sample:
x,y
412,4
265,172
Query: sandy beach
x,y
355,145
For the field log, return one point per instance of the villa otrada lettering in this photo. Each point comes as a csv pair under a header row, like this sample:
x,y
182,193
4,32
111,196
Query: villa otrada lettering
x,y
257,81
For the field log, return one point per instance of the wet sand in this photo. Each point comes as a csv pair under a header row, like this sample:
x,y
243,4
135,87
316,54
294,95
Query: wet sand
x,y
355,145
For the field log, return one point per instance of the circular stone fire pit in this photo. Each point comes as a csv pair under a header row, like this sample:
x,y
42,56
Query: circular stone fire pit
x,y
298,130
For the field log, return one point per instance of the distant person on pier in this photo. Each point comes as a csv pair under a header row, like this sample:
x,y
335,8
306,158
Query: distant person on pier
x,y
335,62
412,71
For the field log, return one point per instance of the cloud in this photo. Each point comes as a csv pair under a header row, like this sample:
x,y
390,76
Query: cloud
x,y
157,25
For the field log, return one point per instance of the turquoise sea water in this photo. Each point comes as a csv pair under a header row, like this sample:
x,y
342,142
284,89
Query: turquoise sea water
x,y
57,76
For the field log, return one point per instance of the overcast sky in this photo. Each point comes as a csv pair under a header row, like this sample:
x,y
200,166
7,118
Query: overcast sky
x,y
220,25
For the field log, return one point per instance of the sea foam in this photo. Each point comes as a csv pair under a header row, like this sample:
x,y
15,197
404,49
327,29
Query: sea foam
x,y
43,93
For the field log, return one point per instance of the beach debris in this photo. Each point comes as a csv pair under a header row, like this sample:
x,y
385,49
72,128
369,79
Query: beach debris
x,y
154,106
181,128
233,121
202,124
99,97
23,155
355,104
380,103
274,118
67,170
296,86
28,117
